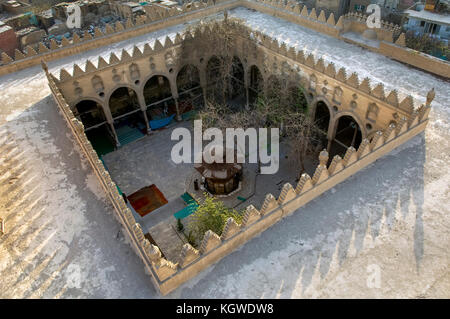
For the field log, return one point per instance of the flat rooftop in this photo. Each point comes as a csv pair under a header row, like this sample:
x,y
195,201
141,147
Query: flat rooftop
x,y
429,16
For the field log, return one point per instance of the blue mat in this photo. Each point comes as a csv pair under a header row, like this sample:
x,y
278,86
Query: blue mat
x,y
185,212
189,115
156,124
191,207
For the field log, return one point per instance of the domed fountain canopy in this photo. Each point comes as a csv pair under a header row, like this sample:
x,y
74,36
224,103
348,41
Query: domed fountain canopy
x,y
210,169
370,34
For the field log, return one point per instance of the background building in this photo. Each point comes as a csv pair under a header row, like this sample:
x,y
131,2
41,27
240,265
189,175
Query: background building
x,y
8,39
431,18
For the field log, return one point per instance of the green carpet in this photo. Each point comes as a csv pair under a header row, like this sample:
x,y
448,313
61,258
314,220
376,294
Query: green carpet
x,y
127,134
101,143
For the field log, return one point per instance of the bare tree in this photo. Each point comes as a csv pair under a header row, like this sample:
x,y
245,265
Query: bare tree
x,y
282,106
218,37
427,44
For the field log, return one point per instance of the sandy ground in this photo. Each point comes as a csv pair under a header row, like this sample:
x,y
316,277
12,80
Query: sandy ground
x,y
385,232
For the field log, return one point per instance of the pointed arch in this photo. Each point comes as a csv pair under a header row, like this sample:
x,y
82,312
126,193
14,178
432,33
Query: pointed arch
x,y
347,131
129,120
158,98
123,100
190,93
90,113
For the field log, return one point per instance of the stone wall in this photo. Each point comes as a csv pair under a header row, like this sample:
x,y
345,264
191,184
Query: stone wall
x,y
8,39
415,58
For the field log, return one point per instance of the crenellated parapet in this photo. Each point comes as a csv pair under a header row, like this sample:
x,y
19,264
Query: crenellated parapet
x,y
251,216
299,14
304,184
270,204
336,165
188,255
210,241
230,229
357,22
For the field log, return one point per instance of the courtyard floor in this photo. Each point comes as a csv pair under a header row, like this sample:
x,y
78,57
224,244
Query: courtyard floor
x,y
148,161
62,240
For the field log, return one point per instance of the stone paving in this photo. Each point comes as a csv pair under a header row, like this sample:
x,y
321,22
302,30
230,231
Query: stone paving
x,y
148,161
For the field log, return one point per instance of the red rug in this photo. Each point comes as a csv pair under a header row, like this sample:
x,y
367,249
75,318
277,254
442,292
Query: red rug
x,y
147,200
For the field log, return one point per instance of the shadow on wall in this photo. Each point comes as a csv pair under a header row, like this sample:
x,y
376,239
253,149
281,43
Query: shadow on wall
x,y
291,251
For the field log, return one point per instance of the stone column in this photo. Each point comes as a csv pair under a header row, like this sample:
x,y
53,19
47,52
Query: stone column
x,y
147,124
111,124
204,94
143,107
107,112
178,117
203,84
247,104
354,135
174,91
110,120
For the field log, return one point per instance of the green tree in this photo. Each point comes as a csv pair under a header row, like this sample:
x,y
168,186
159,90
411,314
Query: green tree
x,y
211,214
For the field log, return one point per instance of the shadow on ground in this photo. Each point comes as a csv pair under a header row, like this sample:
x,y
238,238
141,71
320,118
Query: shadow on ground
x,y
62,238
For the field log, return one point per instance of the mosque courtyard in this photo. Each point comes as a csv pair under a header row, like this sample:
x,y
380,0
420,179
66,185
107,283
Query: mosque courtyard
x,y
62,239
